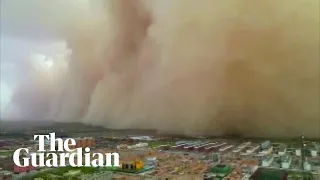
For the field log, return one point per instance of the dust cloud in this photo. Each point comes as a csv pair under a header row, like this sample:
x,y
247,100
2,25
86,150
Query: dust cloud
x,y
201,67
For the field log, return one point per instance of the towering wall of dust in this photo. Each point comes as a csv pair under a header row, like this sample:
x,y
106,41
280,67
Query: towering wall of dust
x,y
207,67
195,67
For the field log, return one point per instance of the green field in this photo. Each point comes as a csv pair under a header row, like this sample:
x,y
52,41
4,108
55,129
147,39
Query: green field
x,y
6,152
156,144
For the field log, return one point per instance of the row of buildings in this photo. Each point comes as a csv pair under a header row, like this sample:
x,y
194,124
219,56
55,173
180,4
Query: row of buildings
x,y
203,147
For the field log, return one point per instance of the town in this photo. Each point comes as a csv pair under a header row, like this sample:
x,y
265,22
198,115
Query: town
x,y
168,157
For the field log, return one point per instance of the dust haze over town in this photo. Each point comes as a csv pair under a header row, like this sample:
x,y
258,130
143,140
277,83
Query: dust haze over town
x,y
201,67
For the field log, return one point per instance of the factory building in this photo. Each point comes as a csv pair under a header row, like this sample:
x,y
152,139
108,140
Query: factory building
x,y
286,162
266,161
282,150
238,150
225,148
218,146
267,151
272,174
253,149
182,142
141,138
306,166
188,148
213,148
179,146
298,152
139,145
265,145
314,152
201,147
244,145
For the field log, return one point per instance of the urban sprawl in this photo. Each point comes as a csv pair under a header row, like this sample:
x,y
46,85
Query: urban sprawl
x,y
152,157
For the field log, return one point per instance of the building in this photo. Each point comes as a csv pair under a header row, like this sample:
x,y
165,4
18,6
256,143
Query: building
x,y
132,165
237,151
244,145
225,148
179,146
266,161
269,174
306,166
141,138
253,149
139,145
214,148
188,148
314,152
286,162
265,145
282,150
298,152
18,169
201,147
218,146
267,151
221,170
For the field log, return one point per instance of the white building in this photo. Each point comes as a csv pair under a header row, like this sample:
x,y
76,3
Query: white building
x,y
307,166
139,145
253,149
244,145
314,153
146,138
267,161
298,152
282,151
267,151
286,162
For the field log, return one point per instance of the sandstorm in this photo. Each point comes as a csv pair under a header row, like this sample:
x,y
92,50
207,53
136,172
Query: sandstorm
x,y
189,67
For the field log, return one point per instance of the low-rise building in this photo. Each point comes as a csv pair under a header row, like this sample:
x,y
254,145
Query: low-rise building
x,y
266,161
267,151
282,150
286,162
298,152
314,152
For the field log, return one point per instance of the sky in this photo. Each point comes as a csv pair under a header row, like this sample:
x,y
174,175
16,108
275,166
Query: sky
x,y
183,66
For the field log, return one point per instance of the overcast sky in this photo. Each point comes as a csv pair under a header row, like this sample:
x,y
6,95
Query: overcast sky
x,y
24,33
